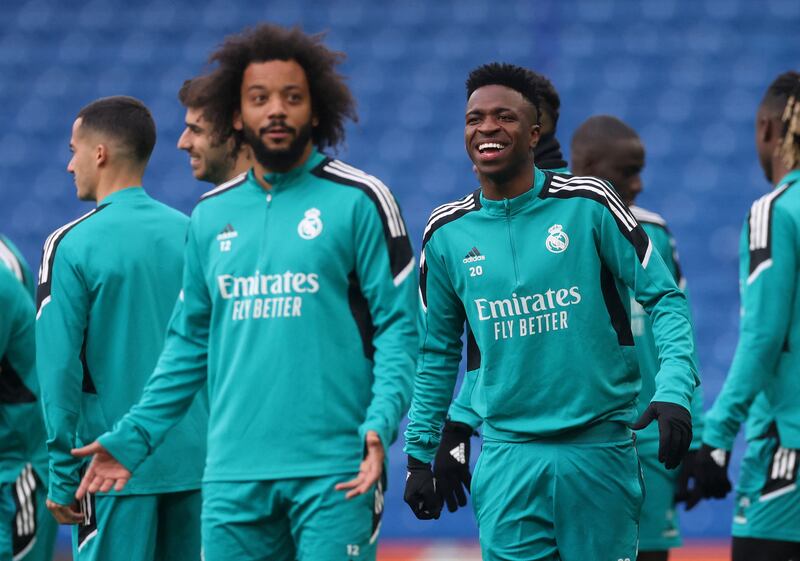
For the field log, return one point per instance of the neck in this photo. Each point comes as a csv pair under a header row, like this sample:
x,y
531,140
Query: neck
x,y
261,170
242,164
117,180
779,169
498,188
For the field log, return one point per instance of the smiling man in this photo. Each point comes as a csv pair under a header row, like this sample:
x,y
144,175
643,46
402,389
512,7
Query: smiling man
x,y
215,156
298,309
556,389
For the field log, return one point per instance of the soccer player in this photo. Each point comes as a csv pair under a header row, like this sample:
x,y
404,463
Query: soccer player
x,y
298,307
605,147
27,531
558,476
107,286
763,386
451,466
215,156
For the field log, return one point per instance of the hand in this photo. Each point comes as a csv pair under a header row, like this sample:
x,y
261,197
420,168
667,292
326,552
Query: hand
x,y
104,471
421,494
691,495
711,471
674,428
65,514
451,466
370,470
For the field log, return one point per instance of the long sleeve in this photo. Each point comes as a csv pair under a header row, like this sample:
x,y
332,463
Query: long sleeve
x,y
461,410
180,373
60,331
629,254
441,322
667,248
768,278
385,275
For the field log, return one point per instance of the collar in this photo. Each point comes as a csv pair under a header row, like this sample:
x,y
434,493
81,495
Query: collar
x,y
506,207
790,177
278,180
132,193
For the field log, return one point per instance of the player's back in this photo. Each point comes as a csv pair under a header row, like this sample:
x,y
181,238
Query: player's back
x,y
122,263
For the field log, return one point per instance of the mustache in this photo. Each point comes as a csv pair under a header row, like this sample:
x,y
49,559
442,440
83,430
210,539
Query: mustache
x,y
276,125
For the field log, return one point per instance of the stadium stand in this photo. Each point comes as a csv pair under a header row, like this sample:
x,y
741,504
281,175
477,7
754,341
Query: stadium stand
x,y
688,75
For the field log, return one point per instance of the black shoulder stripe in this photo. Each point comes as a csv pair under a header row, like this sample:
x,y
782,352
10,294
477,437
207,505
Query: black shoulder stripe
x,y
561,186
49,255
760,225
615,307
223,187
449,212
440,216
401,256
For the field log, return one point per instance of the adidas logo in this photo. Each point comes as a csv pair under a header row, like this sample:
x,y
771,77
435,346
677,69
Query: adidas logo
x,y
474,255
227,233
459,453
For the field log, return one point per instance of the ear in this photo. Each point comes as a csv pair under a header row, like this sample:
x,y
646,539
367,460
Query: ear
x,y
535,134
238,124
101,155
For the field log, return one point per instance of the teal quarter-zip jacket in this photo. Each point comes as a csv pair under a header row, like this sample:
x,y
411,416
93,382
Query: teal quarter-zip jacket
x,y
107,286
763,383
537,279
298,308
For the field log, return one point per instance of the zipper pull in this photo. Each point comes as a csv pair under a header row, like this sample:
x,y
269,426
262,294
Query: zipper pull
x,y
269,198
508,207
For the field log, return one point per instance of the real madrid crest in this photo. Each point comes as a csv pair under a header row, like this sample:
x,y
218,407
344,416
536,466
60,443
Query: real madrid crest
x,y
558,240
311,225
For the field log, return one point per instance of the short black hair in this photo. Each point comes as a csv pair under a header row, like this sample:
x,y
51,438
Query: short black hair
x,y
331,98
782,98
509,75
125,119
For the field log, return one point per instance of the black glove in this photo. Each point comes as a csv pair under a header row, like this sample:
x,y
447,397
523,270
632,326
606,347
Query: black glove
x,y
711,471
674,429
451,466
421,494
686,493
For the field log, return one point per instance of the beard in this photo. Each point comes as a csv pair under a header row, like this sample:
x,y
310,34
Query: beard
x,y
278,160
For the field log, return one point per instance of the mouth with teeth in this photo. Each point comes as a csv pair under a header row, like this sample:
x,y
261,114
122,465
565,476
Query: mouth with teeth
x,y
490,150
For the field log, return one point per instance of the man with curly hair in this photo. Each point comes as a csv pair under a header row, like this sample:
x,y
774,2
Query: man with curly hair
x,y
298,311
533,262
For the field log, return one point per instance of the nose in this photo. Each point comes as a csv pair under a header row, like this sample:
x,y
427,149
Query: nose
x,y
276,108
488,126
183,140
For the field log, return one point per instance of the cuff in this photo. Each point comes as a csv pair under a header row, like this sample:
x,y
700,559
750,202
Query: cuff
x,y
126,444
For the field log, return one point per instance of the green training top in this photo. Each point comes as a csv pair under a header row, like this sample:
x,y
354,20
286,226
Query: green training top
x,y
536,279
298,307
107,285
21,428
763,377
656,229
11,257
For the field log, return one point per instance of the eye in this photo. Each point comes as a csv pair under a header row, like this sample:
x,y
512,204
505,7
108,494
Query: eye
x,y
295,98
473,120
507,118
